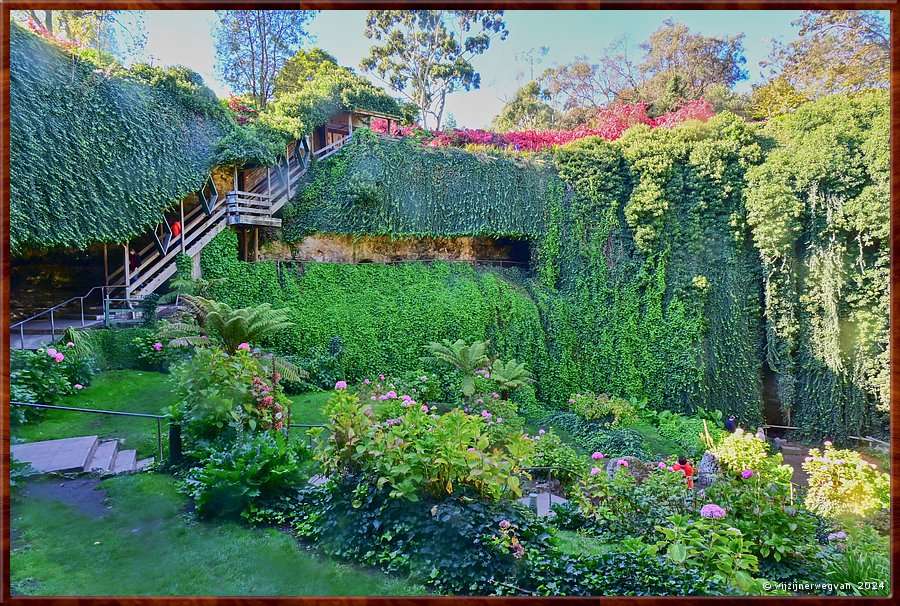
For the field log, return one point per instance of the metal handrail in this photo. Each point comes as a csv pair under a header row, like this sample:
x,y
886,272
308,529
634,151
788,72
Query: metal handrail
x,y
21,324
158,418
64,303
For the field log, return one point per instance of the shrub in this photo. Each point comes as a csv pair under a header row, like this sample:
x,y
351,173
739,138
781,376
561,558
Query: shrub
x,y
420,453
687,432
551,451
841,483
739,451
445,542
253,470
220,392
44,376
618,412
620,443
859,564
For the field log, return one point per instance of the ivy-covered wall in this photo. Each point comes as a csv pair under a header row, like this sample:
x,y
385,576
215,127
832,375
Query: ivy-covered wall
x,y
819,206
672,264
98,152
403,189
97,157
383,313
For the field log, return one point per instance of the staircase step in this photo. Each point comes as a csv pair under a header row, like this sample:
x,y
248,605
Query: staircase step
x,y
104,456
66,455
125,461
143,464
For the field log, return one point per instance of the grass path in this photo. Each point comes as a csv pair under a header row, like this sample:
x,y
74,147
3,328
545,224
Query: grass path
x,y
148,544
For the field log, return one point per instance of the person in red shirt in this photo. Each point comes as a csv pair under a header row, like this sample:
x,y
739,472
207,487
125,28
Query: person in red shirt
x,y
176,229
683,465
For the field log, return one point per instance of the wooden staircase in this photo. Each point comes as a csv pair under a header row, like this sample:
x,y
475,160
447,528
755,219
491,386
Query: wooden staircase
x,y
271,189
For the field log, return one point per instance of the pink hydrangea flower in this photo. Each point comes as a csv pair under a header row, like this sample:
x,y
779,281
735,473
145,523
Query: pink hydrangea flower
x,y
499,419
51,352
487,376
486,414
597,455
595,471
78,386
571,401
541,432
245,346
340,385
366,382
59,357
157,346
381,377
495,396
424,378
622,463
747,473
424,408
504,524
479,401
712,511
471,449
70,344
661,465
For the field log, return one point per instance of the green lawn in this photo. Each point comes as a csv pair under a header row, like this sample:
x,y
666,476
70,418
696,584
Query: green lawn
x,y
135,391
149,545
121,390
307,408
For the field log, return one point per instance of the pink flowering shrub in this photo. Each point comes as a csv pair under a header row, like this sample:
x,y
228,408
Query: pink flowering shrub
x,y
45,375
609,123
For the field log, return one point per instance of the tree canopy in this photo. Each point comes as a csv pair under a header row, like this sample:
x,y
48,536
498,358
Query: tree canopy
x,y
838,51
253,45
426,55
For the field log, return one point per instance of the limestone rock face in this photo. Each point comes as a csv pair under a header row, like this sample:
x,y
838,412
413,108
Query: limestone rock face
x,y
707,472
337,248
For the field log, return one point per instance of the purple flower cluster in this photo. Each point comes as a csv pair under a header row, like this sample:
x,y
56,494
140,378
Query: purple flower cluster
x,y
747,474
712,511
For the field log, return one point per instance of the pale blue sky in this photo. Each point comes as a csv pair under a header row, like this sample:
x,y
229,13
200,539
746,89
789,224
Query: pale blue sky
x,y
185,37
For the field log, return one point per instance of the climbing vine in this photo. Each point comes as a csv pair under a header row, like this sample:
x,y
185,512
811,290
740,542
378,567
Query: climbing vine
x,y
97,156
383,314
819,209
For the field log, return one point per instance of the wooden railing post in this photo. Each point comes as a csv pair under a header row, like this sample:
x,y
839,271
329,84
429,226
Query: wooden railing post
x,y
127,271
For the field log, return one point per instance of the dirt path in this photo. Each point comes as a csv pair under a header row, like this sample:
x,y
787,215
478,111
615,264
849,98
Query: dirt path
x,y
82,495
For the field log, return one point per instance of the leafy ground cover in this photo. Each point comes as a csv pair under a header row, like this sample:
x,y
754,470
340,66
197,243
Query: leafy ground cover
x,y
60,550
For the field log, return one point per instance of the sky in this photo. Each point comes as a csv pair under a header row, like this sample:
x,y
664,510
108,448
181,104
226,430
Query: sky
x,y
185,38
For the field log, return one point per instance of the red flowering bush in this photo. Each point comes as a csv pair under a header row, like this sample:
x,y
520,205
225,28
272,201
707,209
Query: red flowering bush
x,y
243,112
44,33
610,123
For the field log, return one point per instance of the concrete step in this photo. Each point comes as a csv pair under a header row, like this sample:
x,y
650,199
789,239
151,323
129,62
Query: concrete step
x,y
143,464
544,501
125,461
66,455
103,458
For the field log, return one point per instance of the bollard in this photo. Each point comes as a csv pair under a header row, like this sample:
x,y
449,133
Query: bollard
x,y
532,502
174,444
